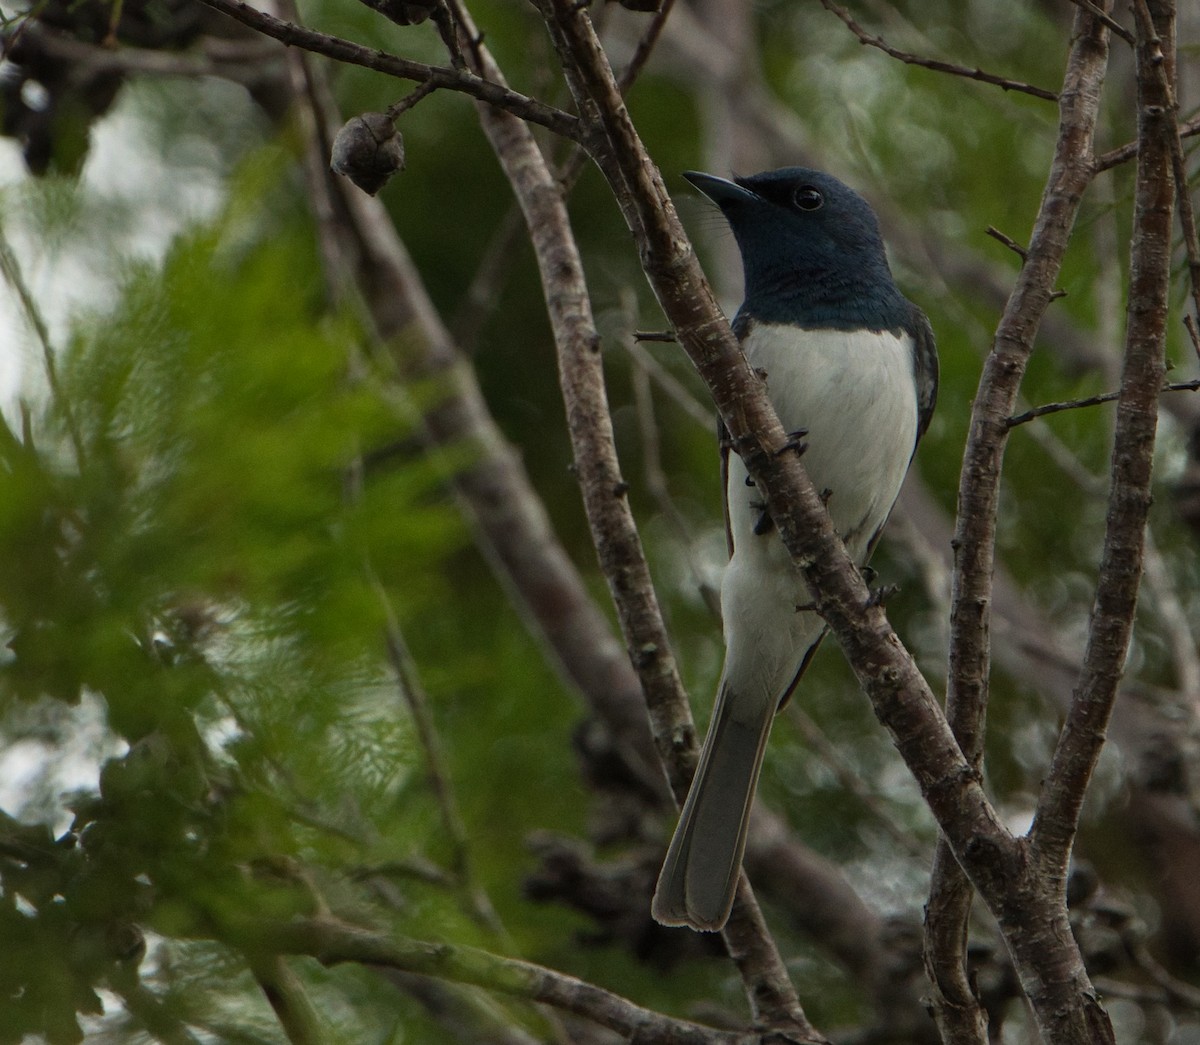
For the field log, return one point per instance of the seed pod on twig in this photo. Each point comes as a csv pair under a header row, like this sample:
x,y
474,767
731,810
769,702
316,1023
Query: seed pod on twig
x,y
368,150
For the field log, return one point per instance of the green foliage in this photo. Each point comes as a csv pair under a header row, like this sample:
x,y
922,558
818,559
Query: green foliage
x,y
192,543
186,540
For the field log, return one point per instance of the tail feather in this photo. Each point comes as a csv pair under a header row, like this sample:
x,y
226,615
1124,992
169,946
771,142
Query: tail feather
x,y
700,873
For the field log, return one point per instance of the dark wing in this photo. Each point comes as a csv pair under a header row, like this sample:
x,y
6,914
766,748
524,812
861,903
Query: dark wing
x,y
925,374
925,369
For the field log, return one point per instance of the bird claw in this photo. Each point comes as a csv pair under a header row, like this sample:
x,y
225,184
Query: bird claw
x,y
879,596
764,524
795,441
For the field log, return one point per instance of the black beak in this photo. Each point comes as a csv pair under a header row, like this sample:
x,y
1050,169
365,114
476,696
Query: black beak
x,y
720,190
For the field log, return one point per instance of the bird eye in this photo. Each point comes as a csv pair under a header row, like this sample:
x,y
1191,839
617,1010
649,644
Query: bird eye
x,y
807,198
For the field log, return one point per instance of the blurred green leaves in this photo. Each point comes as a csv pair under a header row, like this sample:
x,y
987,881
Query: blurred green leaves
x,y
202,564
206,565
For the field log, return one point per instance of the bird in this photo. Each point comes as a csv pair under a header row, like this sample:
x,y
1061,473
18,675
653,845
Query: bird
x,y
851,369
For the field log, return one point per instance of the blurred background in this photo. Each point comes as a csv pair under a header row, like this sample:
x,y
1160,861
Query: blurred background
x,y
256,654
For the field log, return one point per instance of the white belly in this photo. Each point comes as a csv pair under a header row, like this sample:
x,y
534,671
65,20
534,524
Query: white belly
x,y
854,393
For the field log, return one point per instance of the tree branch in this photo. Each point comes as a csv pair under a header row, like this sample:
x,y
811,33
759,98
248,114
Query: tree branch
x,y
1103,397
512,530
333,942
901,697
1124,153
978,498
1121,564
582,380
869,40
462,80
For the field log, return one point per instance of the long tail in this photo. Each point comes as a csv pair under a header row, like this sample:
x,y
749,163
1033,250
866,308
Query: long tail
x,y
700,873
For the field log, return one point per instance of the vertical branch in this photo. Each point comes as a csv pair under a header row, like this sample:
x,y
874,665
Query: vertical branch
x,y
1121,562
955,1005
772,996
581,376
361,249
979,483
496,496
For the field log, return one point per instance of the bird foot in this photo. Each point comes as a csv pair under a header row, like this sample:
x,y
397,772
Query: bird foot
x,y
764,524
879,596
795,441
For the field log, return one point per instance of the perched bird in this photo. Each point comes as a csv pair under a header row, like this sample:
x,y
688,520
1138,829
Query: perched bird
x,y
851,368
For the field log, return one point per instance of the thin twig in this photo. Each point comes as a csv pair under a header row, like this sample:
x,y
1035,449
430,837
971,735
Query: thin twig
x,y
1176,990
1106,19
1125,153
435,768
1008,241
1020,251
1075,404
870,40
656,484
347,51
1180,635
1183,202
671,386
422,90
645,46
1189,324
483,292
852,783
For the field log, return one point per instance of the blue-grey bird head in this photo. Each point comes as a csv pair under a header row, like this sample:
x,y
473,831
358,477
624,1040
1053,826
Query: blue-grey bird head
x,y
813,257
811,250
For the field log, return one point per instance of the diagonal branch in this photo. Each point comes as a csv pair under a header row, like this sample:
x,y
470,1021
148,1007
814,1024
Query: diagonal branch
x,y
772,996
333,942
870,40
582,379
513,532
902,698
1034,922
342,50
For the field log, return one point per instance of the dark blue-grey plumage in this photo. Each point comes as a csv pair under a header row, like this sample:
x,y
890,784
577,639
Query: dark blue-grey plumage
x,y
851,361
822,268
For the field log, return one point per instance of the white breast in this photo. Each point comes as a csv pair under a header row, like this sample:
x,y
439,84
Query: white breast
x,y
855,394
